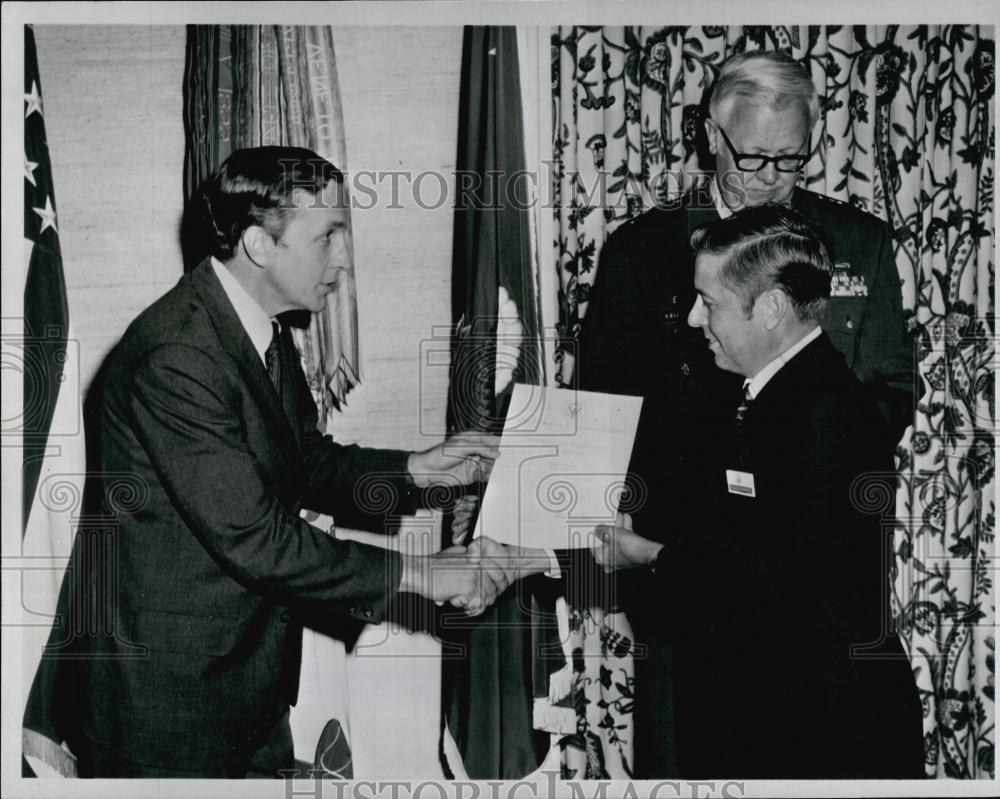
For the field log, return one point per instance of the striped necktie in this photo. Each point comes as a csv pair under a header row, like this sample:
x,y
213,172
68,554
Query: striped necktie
x,y
272,357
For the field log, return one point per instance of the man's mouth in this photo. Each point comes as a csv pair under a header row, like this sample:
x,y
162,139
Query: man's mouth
x,y
761,196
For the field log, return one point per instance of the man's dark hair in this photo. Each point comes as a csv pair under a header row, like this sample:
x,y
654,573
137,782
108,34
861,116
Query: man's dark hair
x,y
770,246
255,187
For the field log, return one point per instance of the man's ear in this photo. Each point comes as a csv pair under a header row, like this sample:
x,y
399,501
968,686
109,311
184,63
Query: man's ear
x,y
257,244
773,305
712,134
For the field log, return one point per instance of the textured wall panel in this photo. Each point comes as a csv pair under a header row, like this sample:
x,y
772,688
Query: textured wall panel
x,y
113,119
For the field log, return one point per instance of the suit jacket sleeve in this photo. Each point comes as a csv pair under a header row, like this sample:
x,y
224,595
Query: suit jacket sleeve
x,y
186,412
611,328
585,583
885,357
357,486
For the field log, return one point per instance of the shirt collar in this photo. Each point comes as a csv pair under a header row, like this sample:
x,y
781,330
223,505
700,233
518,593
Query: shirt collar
x,y
720,205
761,379
254,319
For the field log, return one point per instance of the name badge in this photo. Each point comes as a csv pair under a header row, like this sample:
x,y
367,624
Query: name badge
x,y
740,483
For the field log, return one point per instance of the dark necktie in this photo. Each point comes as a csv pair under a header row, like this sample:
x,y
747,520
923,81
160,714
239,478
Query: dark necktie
x,y
741,444
744,404
272,357
277,366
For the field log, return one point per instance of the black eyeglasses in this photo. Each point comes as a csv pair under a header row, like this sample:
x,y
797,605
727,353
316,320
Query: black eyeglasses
x,y
747,162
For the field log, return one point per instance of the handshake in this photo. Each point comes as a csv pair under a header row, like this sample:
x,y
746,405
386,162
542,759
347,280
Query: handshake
x,y
472,577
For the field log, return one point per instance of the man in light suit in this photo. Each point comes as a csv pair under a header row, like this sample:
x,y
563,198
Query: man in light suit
x,y
198,591
771,587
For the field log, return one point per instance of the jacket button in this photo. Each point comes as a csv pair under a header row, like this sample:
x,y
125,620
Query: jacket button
x,y
285,616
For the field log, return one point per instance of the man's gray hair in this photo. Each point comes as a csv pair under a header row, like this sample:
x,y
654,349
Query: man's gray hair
x,y
772,78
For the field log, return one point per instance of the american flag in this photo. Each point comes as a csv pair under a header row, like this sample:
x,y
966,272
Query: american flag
x,y
52,434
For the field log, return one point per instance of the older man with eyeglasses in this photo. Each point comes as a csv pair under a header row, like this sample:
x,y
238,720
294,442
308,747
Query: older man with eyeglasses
x,y
762,110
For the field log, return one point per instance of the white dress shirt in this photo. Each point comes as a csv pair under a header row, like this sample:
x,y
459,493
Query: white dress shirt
x,y
720,205
254,319
759,380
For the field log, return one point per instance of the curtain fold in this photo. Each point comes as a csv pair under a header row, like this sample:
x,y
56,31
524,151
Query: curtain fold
x,y
250,86
490,681
906,133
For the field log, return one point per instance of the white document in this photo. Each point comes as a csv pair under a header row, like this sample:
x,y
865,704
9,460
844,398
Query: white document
x,y
563,459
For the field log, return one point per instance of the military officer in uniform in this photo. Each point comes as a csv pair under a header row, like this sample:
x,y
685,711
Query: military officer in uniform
x,y
762,109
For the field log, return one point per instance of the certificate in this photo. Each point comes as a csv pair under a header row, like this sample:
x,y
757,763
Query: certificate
x,y
561,470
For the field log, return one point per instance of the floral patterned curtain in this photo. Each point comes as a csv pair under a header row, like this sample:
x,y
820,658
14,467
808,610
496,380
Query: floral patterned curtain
x,y
251,86
906,133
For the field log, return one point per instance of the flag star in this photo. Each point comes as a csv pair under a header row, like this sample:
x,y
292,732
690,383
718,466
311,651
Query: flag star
x,y
48,215
34,101
29,171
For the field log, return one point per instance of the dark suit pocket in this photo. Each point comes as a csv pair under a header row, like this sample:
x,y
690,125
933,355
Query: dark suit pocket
x,y
164,631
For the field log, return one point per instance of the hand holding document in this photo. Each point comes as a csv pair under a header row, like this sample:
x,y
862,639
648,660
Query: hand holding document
x,y
563,459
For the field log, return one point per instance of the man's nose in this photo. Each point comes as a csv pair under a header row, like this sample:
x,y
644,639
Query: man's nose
x,y
696,316
342,256
768,173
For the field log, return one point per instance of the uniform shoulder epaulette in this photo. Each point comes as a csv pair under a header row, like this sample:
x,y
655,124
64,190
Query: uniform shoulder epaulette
x,y
837,201
848,207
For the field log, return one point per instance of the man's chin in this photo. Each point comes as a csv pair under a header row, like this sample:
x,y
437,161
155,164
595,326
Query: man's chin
x,y
725,364
755,200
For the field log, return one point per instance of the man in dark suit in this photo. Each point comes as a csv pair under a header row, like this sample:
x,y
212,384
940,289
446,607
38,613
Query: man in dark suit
x,y
634,341
207,414
772,585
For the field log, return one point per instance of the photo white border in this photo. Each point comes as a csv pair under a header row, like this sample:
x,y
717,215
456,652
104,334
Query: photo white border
x,y
422,13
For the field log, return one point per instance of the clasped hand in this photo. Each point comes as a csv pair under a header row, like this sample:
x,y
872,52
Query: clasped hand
x,y
457,461
471,578
493,569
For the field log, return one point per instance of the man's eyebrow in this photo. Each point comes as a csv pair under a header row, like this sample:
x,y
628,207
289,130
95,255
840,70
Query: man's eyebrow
x,y
791,149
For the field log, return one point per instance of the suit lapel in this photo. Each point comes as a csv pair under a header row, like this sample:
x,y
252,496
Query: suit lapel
x,y
237,343
817,363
